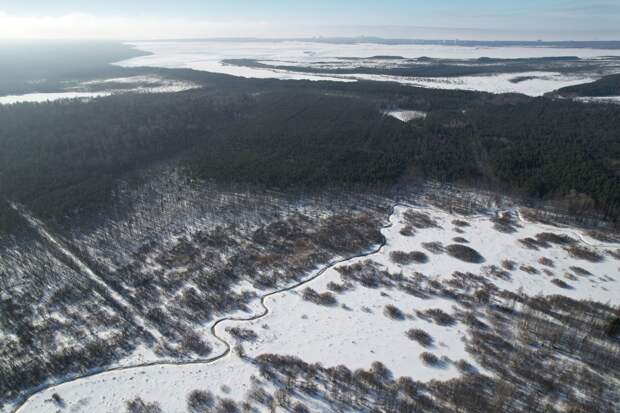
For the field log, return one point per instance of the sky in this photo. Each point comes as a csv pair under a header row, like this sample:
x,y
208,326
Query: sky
x,y
424,19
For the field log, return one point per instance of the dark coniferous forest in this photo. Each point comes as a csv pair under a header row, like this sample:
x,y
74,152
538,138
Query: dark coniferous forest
x,y
65,158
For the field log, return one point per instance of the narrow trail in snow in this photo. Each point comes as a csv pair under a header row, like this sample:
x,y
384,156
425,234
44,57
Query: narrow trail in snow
x,y
227,346
108,293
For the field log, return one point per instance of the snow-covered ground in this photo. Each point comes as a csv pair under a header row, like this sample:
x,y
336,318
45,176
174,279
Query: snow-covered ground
x,y
599,99
495,246
356,331
145,84
406,115
209,56
537,84
49,97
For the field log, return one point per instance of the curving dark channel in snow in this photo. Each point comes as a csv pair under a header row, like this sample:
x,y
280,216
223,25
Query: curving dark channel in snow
x,y
227,345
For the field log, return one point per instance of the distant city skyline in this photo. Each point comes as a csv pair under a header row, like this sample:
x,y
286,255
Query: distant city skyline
x,y
166,19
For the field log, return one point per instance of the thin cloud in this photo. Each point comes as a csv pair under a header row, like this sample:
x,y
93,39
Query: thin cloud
x,y
86,26
483,27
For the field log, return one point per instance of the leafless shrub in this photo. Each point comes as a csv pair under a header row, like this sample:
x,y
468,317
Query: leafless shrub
x,y
509,265
199,401
580,271
558,239
326,298
242,334
192,341
464,367
464,253
529,269
570,276
546,262
434,247
505,223
472,321
226,406
482,296
407,231
533,244
337,288
430,359
260,396
58,401
139,406
560,283
420,336
583,253
420,220
405,258
393,312
379,370
369,274
495,271
439,316
460,223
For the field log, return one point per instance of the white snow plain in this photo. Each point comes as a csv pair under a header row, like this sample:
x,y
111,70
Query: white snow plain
x,y
146,84
49,97
209,56
405,115
357,332
537,84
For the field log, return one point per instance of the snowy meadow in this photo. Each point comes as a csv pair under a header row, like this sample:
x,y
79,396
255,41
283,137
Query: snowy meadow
x,y
214,56
405,308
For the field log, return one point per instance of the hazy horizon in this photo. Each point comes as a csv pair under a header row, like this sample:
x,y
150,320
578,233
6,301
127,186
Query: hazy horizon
x,y
547,20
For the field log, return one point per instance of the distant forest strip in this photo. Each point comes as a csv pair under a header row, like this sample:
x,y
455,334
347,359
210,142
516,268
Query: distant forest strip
x,y
427,67
29,67
606,86
66,157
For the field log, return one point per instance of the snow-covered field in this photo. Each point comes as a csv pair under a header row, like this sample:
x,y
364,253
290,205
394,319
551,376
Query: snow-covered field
x,y
144,84
209,56
600,99
356,330
49,97
537,84
406,115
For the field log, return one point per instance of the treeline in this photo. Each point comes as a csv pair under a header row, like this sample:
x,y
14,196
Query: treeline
x,y
606,86
553,149
305,139
66,157
428,67
538,148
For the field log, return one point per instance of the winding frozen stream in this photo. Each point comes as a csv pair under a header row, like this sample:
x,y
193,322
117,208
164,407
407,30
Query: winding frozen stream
x,y
20,406
349,334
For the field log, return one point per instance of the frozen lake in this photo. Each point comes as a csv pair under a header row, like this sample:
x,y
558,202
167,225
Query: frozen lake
x,y
210,56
